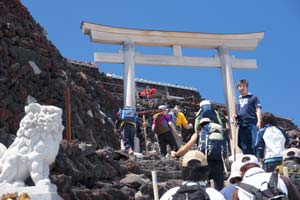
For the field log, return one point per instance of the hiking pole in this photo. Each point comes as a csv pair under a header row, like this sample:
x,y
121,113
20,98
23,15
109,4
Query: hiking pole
x,y
145,134
155,188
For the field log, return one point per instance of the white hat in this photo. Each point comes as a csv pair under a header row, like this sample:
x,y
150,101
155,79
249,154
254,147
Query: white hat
x,y
204,102
247,159
291,153
194,155
163,107
235,171
204,120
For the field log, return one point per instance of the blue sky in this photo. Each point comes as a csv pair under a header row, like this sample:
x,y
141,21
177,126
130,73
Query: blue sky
x,y
275,82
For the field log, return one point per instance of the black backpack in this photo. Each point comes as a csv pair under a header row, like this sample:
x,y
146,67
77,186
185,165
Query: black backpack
x,y
193,192
271,193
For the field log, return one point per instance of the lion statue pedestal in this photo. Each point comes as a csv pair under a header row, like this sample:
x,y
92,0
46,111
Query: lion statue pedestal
x,y
33,150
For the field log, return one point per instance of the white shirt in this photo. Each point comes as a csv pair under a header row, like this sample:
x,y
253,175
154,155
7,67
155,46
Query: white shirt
x,y
212,193
256,177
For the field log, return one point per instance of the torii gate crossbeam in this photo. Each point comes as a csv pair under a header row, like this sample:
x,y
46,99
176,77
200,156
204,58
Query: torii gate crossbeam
x,y
176,40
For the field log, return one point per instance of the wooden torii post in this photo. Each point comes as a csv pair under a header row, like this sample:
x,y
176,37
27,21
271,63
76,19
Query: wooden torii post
x,y
129,38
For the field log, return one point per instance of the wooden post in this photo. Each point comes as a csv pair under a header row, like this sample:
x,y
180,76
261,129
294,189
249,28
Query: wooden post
x,y
68,115
154,182
226,64
145,134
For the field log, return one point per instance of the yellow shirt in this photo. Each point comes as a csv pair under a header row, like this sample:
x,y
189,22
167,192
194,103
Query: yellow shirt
x,y
181,120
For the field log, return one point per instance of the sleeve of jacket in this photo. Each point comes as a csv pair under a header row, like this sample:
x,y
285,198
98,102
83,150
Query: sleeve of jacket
x,y
293,192
286,136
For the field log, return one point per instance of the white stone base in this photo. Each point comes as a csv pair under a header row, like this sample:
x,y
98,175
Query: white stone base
x,y
34,192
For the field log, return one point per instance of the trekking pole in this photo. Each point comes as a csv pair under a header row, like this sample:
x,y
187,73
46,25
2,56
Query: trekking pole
x,y
155,188
145,134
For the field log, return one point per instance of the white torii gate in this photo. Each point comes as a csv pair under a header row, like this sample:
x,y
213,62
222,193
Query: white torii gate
x,y
176,40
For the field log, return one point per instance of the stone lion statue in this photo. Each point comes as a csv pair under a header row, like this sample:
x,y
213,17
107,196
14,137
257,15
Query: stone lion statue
x,y
34,148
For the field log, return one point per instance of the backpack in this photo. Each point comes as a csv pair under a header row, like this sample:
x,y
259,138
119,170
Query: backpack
x,y
160,123
173,113
272,192
191,193
207,111
212,141
293,168
128,114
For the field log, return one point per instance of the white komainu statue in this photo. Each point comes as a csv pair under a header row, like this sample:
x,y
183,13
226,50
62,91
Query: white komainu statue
x,y
34,148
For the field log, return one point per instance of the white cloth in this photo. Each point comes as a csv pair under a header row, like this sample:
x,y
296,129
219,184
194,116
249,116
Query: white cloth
x,y
274,141
212,193
256,177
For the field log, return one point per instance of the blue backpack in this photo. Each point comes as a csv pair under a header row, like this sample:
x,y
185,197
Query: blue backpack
x,y
207,111
173,113
128,114
212,141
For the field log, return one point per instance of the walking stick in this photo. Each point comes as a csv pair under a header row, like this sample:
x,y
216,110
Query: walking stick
x,y
155,188
145,134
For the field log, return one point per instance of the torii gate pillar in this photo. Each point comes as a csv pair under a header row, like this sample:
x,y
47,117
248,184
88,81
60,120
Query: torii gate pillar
x,y
226,68
129,74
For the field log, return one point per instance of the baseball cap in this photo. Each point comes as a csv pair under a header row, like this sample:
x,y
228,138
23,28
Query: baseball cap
x,y
194,155
247,159
291,153
163,107
204,120
235,171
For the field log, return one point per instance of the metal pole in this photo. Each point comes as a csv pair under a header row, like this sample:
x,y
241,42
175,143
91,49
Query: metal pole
x,y
129,74
226,67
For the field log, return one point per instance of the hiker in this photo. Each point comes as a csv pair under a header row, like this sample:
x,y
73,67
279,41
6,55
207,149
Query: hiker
x,y
291,160
212,142
179,120
147,93
234,179
206,110
248,117
194,172
271,142
258,185
128,126
164,128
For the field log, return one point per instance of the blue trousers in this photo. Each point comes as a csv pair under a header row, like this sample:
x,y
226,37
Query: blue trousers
x,y
128,135
247,137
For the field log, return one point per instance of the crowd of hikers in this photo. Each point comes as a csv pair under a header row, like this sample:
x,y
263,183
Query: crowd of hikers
x,y
265,166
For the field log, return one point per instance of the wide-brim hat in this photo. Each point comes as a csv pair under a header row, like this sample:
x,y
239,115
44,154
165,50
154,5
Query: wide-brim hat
x,y
194,155
235,171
